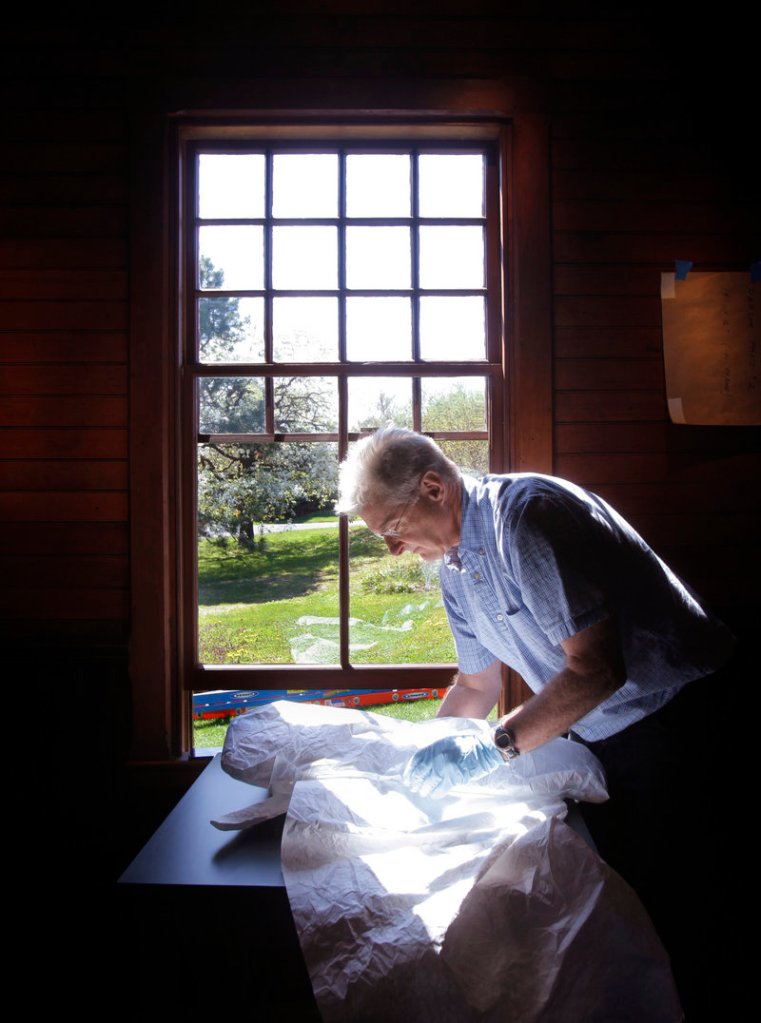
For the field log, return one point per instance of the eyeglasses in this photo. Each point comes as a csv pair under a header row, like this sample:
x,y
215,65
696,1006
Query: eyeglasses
x,y
393,533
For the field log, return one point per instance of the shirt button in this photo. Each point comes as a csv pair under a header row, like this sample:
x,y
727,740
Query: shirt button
x,y
481,551
500,618
476,575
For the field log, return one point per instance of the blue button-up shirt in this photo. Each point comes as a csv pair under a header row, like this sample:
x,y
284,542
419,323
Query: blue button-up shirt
x,y
540,559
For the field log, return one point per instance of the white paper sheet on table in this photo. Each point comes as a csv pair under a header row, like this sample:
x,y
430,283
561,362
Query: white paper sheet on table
x,y
478,907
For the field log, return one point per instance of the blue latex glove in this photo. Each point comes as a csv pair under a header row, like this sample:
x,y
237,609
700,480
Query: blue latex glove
x,y
453,760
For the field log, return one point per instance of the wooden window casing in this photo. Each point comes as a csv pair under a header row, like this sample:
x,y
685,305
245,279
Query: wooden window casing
x,y
500,112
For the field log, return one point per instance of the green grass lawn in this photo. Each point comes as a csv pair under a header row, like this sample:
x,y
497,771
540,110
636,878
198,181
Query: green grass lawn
x,y
278,604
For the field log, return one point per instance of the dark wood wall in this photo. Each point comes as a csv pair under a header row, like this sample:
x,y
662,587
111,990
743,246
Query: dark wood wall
x,y
651,161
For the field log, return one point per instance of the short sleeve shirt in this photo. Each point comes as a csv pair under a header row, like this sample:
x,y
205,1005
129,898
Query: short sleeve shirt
x,y
539,560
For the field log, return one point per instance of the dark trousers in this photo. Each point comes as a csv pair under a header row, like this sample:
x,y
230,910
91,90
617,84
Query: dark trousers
x,y
672,829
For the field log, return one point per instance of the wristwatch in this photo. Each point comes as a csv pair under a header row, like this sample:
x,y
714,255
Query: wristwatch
x,y
504,740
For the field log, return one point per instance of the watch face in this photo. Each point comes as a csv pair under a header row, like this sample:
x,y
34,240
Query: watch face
x,y
502,738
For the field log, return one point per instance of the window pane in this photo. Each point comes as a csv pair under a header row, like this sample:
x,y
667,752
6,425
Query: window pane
x,y
306,404
397,615
267,554
452,328
304,258
231,329
305,185
377,257
231,405
375,401
230,185
305,329
451,257
377,185
451,186
378,328
472,456
231,258
453,403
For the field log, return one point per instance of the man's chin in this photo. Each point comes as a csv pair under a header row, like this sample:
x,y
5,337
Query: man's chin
x,y
429,555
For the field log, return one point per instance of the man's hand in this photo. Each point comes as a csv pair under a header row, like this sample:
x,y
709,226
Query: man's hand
x,y
453,760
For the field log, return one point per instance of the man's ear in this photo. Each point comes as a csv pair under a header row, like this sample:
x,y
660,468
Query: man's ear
x,y
432,486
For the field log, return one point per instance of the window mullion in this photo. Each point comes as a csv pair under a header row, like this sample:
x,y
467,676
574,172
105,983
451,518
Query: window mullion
x,y
269,388
415,266
344,599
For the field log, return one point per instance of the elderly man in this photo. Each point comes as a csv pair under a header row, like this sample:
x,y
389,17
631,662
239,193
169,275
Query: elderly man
x,y
544,576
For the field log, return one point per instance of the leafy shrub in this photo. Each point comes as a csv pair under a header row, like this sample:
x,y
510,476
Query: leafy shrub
x,y
402,575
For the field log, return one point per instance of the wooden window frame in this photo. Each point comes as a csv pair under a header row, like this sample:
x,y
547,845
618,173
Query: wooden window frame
x,y
161,707
200,677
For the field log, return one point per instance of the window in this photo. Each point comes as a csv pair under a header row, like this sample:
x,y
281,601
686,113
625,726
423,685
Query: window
x,y
329,287
163,443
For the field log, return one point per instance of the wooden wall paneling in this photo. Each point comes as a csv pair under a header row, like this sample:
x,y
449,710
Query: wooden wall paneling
x,y
65,538
63,352
68,220
654,248
63,506
68,285
609,406
65,603
66,443
674,217
622,184
55,253
40,571
621,281
61,189
63,410
593,469
70,315
595,310
63,474
64,346
575,438
609,374
626,342
77,378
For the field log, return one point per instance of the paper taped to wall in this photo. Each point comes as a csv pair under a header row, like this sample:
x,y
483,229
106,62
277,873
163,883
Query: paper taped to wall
x,y
712,348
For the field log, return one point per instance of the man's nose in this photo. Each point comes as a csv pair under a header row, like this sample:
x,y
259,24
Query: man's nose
x,y
394,544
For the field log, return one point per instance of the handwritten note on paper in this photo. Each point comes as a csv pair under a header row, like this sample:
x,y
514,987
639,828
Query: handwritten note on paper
x,y
712,348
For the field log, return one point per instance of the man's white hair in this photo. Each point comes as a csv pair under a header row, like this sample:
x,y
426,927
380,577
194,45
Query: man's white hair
x,y
387,466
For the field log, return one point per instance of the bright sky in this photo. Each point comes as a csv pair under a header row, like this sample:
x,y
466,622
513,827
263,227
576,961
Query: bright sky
x,y
378,257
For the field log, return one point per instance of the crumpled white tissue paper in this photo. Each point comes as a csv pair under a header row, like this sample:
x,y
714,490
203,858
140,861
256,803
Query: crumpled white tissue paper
x,y
477,907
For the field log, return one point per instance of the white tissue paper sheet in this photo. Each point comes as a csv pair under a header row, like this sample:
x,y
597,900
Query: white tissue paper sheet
x,y
479,906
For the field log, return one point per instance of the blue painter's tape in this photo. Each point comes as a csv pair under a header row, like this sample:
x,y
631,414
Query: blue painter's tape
x,y
755,271
683,267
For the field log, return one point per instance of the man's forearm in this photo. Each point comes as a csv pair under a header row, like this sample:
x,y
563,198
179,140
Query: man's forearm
x,y
552,712
472,696
594,670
